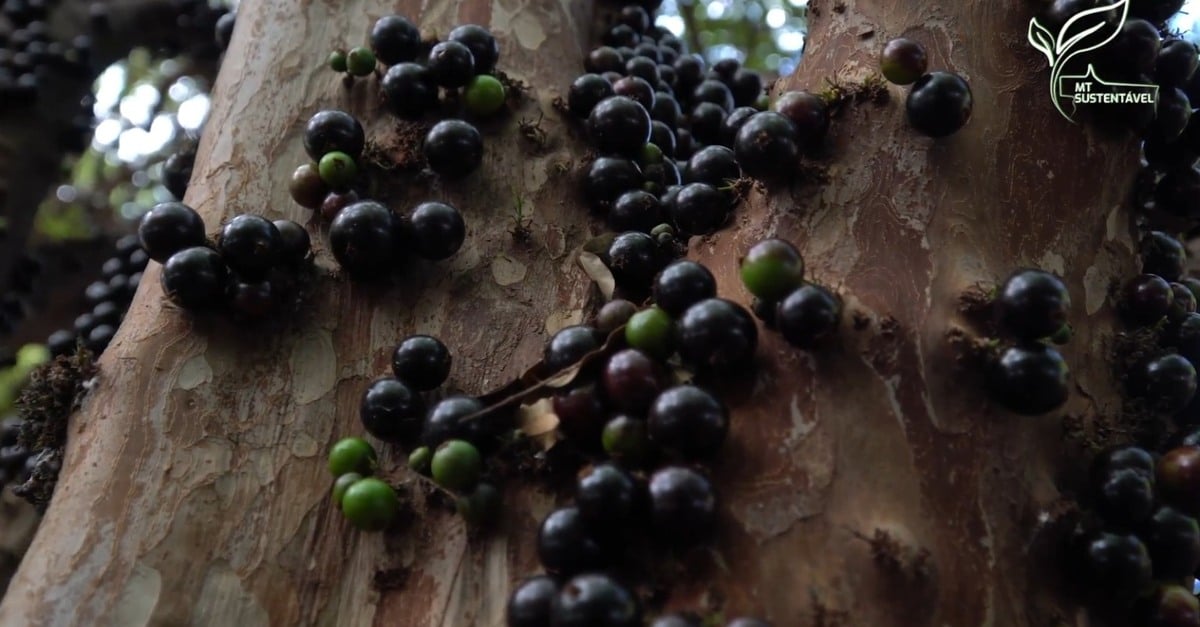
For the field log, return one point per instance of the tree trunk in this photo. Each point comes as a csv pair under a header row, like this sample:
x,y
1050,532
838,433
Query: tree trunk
x,y
195,489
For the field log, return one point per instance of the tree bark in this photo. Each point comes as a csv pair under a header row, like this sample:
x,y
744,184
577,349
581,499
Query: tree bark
x,y
195,492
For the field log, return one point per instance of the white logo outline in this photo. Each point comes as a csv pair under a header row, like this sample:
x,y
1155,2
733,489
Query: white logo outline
x,y
1058,52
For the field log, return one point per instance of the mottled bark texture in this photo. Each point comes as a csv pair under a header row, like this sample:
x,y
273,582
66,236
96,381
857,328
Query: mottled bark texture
x,y
31,159
195,489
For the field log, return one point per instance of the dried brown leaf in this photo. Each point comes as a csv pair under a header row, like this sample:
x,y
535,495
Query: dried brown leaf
x,y
594,267
530,386
681,375
537,418
539,422
564,378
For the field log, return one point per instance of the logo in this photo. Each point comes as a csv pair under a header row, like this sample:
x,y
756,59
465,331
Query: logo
x,y
1085,32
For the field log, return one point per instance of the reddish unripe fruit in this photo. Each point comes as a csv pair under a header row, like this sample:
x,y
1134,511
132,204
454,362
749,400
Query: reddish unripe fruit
x,y
306,187
335,202
1179,478
581,416
632,380
903,61
808,112
614,314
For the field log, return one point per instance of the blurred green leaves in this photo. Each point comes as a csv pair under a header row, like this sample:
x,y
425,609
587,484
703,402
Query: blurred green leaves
x,y
13,378
140,103
766,35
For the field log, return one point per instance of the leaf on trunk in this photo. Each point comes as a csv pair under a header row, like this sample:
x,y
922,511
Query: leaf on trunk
x,y
538,418
564,378
529,386
527,380
539,422
594,267
679,372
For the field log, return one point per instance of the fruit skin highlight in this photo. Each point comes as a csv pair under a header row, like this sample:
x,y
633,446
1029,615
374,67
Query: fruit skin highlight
x,y
370,504
456,465
772,269
1030,379
1032,304
619,126
939,104
453,148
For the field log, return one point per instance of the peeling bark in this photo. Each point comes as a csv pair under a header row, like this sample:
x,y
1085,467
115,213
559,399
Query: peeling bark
x,y
872,481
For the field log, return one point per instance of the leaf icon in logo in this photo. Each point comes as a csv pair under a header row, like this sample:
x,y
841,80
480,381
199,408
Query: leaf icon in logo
x,y
1042,40
1087,23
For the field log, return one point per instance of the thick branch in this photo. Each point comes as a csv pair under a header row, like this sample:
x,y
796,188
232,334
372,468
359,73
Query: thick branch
x,y
242,528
